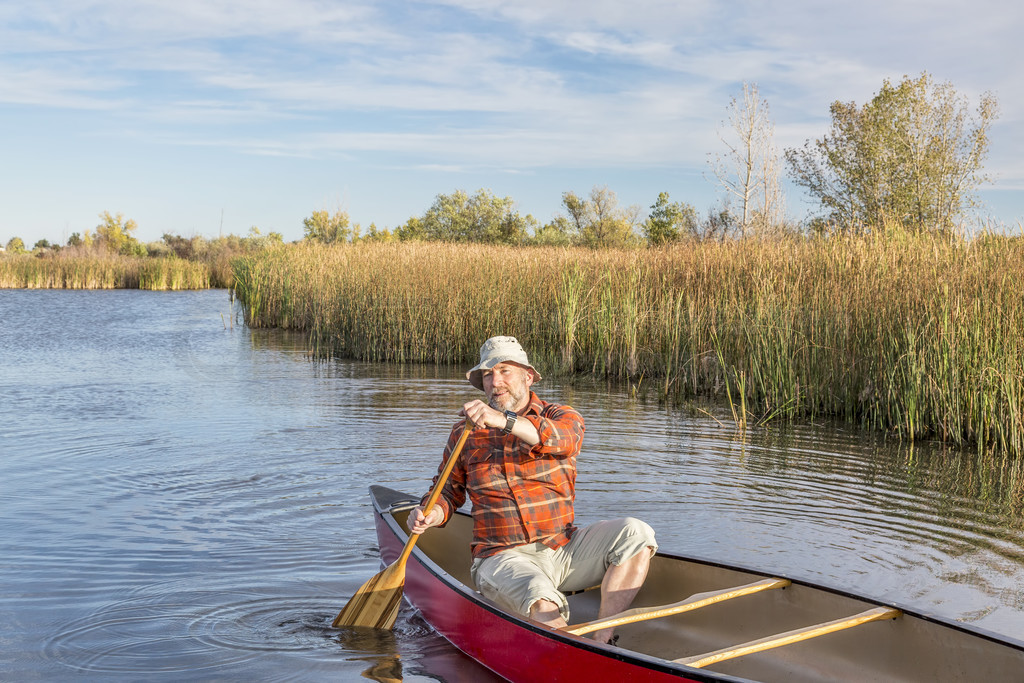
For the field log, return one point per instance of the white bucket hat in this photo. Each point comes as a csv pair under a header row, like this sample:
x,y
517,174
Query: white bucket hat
x,y
500,350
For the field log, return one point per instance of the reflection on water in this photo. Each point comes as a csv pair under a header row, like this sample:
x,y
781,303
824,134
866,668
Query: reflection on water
x,y
381,648
186,499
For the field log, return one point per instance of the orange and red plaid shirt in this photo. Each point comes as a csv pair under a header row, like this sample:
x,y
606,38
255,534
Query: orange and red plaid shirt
x,y
520,493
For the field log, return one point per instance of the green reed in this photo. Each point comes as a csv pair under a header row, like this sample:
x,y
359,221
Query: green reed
x,y
103,271
917,335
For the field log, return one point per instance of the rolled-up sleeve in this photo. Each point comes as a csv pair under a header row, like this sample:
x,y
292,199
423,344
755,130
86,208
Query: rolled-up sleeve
x,y
561,433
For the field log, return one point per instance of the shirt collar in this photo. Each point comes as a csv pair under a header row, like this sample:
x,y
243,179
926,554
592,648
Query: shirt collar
x,y
535,406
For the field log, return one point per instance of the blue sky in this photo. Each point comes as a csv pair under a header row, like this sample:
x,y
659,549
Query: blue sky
x,y
198,117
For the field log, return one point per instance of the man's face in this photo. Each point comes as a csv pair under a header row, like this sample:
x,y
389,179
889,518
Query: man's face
x,y
507,386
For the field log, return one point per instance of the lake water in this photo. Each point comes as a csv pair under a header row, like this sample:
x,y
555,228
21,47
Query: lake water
x,y
185,499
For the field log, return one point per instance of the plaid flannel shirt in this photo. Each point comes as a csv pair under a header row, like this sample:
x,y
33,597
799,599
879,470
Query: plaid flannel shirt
x,y
520,493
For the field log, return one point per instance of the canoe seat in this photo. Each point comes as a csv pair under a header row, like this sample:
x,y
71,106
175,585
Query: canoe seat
x,y
876,614
691,603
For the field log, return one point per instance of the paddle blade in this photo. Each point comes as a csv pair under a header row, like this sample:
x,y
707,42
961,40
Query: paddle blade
x,y
375,605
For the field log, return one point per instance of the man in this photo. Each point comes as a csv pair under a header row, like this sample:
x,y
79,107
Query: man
x,y
518,467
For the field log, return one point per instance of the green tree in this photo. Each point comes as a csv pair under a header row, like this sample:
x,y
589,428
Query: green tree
x,y
913,155
411,230
598,221
16,245
75,240
557,233
325,228
375,234
482,217
257,240
114,233
669,221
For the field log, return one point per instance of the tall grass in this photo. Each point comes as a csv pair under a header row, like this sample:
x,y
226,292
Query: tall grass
x,y
917,335
102,271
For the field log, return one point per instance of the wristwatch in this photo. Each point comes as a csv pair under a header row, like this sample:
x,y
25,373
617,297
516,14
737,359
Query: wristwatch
x,y
510,417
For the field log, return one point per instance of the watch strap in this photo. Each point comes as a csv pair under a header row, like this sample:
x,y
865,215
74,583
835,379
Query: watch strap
x,y
510,421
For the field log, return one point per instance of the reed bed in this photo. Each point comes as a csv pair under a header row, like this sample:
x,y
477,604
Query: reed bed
x,y
102,271
917,335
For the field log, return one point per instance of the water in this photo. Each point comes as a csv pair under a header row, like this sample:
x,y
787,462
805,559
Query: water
x,y
182,498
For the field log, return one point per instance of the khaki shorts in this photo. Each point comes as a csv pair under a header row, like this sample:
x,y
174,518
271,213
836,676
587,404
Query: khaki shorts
x,y
518,577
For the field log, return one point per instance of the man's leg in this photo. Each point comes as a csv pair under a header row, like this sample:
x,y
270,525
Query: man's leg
x,y
618,588
520,580
617,553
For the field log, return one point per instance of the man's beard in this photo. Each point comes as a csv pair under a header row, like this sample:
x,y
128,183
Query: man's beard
x,y
506,401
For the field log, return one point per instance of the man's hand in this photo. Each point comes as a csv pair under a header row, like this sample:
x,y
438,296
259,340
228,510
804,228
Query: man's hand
x,y
482,415
419,522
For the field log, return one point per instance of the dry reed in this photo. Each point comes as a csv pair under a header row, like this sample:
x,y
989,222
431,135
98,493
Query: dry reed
x,y
102,271
917,335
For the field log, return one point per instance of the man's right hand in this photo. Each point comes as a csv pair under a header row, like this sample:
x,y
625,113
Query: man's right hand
x,y
419,522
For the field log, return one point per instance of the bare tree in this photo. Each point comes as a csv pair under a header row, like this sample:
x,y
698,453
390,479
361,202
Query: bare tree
x,y
749,170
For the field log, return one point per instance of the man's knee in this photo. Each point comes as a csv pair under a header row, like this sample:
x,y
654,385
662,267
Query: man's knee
x,y
636,536
542,607
638,527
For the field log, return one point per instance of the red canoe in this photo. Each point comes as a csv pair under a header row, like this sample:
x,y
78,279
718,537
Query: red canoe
x,y
694,620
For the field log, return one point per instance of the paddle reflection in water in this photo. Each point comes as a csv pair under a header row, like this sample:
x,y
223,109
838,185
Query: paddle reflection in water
x,y
432,658
381,648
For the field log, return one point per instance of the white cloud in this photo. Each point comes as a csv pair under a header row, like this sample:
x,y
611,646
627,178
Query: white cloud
x,y
456,86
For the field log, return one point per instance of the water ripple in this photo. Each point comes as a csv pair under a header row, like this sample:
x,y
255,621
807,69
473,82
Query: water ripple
x,y
183,500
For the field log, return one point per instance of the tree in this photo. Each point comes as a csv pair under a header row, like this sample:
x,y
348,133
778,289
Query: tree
x,y
257,240
749,170
483,217
115,234
16,245
183,247
913,155
557,233
668,222
411,230
599,221
325,228
375,234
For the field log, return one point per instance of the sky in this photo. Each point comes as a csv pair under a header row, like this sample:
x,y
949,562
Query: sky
x,y
210,117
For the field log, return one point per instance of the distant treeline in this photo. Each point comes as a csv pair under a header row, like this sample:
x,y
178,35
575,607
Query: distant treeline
x,y
917,334
111,258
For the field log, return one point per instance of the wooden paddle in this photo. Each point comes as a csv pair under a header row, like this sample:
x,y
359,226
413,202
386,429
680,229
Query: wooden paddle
x,y
375,605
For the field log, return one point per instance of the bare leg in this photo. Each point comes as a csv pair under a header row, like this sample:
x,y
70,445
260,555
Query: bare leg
x,y
618,588
546,612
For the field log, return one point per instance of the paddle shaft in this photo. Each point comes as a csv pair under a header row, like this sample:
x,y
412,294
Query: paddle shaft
x,y
376,603
436,492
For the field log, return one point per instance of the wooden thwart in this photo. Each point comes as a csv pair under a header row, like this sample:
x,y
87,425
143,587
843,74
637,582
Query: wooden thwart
x,y
693,602
876,614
